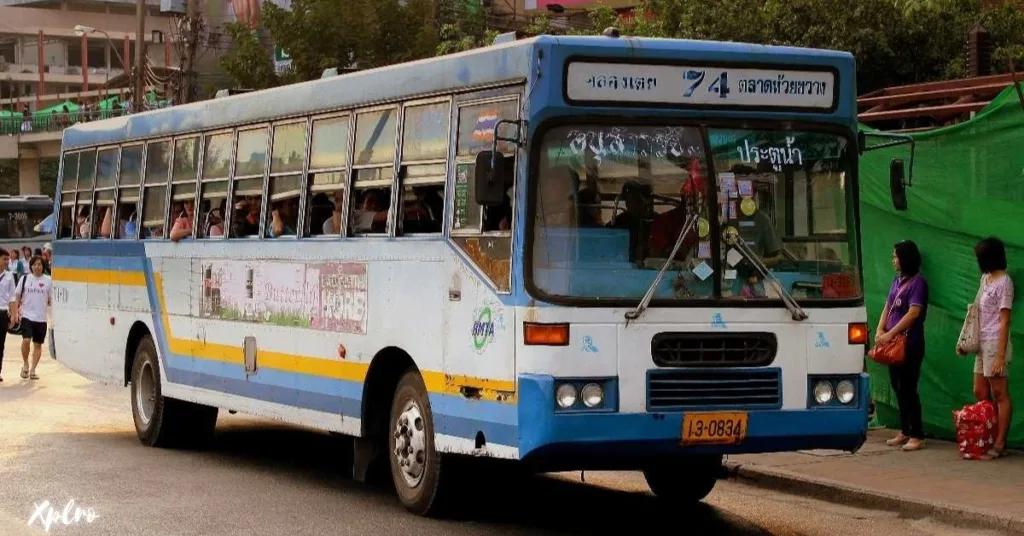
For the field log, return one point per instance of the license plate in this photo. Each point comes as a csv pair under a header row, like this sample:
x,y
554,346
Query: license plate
x,y
714,428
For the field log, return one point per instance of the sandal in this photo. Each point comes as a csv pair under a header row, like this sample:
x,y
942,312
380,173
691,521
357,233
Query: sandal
x,y
897,441
34,376
992,454
24,373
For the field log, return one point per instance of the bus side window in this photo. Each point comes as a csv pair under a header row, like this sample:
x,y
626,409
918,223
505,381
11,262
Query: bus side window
x,y
328,158
83,205
129,180
247,199
470,221
424,167
184,167
68,186
287,156
106,175
214,185
376,132
154,191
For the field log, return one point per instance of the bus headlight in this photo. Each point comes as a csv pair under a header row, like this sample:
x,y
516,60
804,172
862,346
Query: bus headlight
x,y
592,395
565,395
823,392
845,392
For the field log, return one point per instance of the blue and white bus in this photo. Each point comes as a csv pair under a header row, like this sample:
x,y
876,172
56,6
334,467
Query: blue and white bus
x,y
25,221
573,252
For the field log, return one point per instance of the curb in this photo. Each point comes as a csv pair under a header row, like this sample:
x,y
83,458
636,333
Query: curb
x,y
838,492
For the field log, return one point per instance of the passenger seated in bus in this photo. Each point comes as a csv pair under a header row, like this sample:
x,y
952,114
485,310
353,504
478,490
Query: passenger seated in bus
x,y
425,213
666,227
332,224
588,208
370,216
182,227
284,218
126,225
106,223
214,224
636,218
245,220
82,223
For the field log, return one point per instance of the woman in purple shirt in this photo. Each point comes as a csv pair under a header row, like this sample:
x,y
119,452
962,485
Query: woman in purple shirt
x,y
905,311
995,301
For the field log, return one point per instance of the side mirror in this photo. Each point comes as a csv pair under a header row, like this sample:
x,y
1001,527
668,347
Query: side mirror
x,y
489,179
897,187
862,142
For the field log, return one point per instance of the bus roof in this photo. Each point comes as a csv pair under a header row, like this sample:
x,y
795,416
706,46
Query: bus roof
x,y
499,64
6,201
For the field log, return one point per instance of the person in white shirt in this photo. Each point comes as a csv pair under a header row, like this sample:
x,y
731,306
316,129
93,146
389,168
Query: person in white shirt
x,y
32,297
6,299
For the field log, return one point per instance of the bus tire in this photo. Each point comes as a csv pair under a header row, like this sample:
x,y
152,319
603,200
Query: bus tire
x,y
416,467
160,421
687,482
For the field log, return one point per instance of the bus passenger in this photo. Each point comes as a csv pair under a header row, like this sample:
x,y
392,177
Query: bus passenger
x,y
32,298
82,224
182,227
332,225
636,217
371,216
424,214
284,218
246,218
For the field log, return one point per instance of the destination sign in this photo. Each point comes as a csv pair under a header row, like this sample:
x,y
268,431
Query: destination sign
x,y
700,86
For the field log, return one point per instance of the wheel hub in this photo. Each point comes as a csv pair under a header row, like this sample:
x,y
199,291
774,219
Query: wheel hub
x,y
145,393
410,444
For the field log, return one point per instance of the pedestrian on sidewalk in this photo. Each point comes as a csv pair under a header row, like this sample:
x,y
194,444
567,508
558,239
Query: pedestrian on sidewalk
x,y
6,297
31,303
905,312
991,365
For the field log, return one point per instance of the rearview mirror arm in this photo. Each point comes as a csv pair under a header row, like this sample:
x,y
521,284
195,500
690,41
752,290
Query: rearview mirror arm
x,y
895,140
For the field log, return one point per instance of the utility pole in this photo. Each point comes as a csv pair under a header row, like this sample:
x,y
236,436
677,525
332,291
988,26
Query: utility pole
x,y
140,57
192,30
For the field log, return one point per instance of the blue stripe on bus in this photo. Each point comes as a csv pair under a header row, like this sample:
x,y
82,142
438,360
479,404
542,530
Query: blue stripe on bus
x,y
102,248
90,262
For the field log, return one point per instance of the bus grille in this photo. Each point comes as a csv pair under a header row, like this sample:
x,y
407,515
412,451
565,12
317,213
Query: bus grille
x,y
689,389
696,349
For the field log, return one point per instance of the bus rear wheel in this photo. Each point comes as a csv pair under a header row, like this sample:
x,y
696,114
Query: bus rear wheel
x,y
684,482
160,421
416,467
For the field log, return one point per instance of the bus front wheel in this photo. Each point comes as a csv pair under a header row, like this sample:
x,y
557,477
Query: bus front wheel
x,y
416,467
160,421
684,482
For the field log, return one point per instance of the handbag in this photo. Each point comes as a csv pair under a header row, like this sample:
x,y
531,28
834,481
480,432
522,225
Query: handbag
x,y
893,352
969,342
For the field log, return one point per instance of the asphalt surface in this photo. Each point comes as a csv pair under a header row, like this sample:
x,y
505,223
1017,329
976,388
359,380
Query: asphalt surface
x,y
64,438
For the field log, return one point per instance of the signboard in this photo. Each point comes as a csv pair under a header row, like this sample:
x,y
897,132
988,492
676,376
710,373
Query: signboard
x,y
282,60
701,86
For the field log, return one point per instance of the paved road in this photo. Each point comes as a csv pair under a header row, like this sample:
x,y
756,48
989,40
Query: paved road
x,y
63,437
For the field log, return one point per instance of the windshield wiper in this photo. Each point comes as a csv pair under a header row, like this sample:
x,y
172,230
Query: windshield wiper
x,y
794,308
691,220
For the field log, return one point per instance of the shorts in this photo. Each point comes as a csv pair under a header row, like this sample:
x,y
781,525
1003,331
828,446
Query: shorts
x,y
987,357
30,329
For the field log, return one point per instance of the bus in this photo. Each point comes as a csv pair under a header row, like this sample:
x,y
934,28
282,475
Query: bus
x,y
25,221
574,253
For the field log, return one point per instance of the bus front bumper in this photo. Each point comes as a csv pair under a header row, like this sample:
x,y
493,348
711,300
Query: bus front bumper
x,y
554,441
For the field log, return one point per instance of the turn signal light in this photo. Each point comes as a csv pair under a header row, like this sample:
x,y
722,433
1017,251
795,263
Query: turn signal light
x,y
546,334
858,333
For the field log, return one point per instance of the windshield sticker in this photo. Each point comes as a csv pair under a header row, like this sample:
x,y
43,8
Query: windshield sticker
x,y
617,144
727,182
704,250
461,218
776,156
703,271
732,210
717,322
733,257
729,274
748,206
746,188
703,227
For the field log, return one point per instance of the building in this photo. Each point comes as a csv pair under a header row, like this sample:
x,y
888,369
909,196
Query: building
x,y
45,62
563,13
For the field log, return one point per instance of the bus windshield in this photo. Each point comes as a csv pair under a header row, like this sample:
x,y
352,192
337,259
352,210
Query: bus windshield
x,y
611,202
22,222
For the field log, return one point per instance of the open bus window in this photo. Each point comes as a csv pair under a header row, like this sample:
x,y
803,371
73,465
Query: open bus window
x,y
612,202
784,193
247,199
129,182
106,175
213,195
328,156
183,187
154,192
83,204
370,207
424,167
423,198
69,183
374,146
283,219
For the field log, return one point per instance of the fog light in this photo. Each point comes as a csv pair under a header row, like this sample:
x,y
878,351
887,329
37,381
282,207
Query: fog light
x,y
823,392
592,395
565,395
845,392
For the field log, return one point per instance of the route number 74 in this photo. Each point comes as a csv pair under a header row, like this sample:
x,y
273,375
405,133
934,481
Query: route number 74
x,y
719,85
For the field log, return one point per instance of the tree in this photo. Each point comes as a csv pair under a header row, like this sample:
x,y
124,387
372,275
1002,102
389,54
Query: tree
x,y
249,65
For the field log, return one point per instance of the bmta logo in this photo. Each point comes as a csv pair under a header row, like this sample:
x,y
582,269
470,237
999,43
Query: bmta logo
x,y
822,342
483,329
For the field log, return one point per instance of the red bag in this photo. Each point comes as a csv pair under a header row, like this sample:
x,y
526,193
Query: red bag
x,y
975,429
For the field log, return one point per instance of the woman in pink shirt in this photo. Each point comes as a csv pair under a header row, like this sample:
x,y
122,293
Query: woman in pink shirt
x,y
993,361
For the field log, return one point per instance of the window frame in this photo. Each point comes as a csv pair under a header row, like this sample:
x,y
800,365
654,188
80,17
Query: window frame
x,y
389,228
457,160
270,175
73,193
96,189
78,194
166,184
402,164
202,181
238,131
345,170
195,180
116,219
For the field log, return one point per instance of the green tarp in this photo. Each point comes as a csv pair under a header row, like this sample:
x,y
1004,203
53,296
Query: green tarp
x,y
968,183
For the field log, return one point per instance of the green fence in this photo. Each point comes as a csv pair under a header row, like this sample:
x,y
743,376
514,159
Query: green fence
x,y
968,183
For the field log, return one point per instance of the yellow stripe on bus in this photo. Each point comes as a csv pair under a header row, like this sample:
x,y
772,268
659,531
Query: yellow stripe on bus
x,y
436,382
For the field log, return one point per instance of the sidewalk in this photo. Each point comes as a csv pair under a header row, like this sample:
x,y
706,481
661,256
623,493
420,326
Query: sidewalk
x,y
930,482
